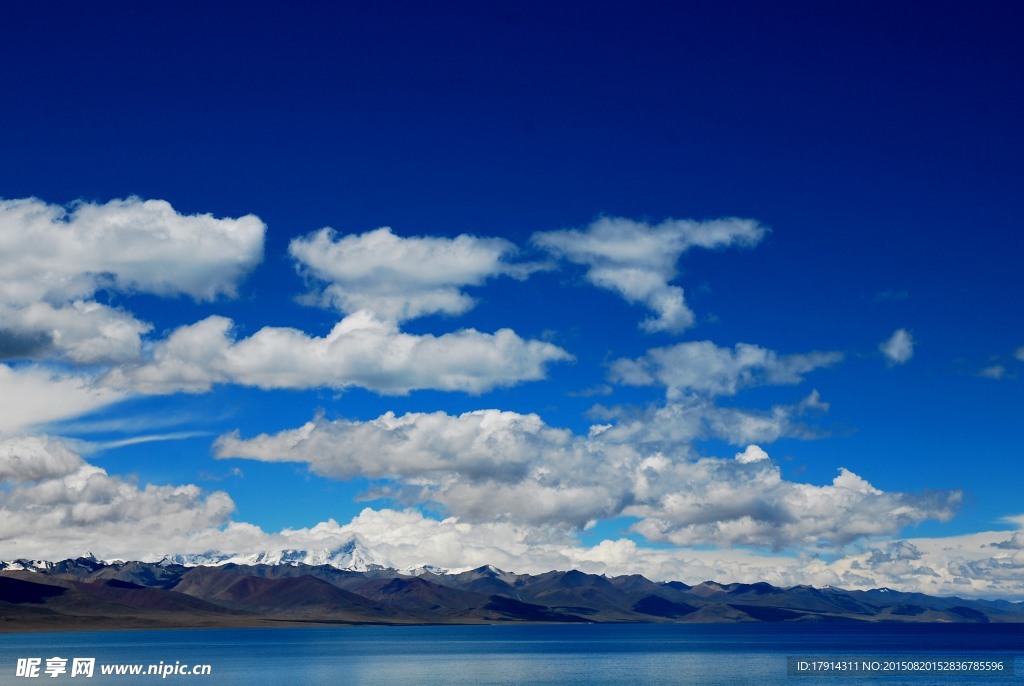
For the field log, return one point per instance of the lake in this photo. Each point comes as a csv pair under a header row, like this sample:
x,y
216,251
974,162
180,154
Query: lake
x,y
599,654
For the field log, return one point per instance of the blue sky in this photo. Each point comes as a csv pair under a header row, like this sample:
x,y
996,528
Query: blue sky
x,y
625,245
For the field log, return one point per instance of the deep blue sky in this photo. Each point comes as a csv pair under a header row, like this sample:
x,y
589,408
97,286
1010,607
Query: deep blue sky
x,y
879,142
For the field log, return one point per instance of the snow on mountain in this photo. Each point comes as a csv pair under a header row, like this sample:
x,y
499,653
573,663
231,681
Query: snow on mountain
x,y
424,569
23,565
353,555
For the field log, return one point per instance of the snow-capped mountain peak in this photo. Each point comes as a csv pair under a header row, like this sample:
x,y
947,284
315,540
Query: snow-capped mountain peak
x,y
352,554
420,570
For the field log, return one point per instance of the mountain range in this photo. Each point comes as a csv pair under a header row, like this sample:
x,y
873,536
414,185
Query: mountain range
x,y
349,584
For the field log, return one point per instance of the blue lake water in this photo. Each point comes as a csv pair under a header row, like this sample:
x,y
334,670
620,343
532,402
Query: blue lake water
x,y
598,654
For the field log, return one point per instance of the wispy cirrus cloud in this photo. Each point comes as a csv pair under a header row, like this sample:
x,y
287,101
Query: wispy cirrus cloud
x,y
994,372
33,395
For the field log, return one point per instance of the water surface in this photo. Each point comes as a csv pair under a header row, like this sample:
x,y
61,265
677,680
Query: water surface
x,y
598,654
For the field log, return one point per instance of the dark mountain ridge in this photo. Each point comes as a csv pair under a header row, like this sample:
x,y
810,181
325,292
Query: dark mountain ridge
x,y
88,594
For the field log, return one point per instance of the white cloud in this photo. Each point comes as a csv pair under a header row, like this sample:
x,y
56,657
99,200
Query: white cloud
x,y
753,453
65,506
485,465
1019,354
410,539
672,426
31,396
995,372
491,466
1015,520
359,351
34,458
402,278
968,565
54,260
638,260
704,368
898,348
55,254
88,447
729,502
83,332
486,445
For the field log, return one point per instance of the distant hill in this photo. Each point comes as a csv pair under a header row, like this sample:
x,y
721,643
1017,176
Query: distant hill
x,y
87,594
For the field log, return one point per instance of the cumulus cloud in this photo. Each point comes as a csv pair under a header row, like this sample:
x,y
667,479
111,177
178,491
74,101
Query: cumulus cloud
x,y
34,458
670,427
749,503
52,253
705,368
485,465
638,260
482,446
55,504
739,426
359,351
502,466
83,332
753,453
53,260
399,278
898,348
30,396
975,564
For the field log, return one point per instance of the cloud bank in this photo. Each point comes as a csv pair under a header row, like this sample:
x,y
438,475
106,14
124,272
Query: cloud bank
x,y
503,466
54,501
